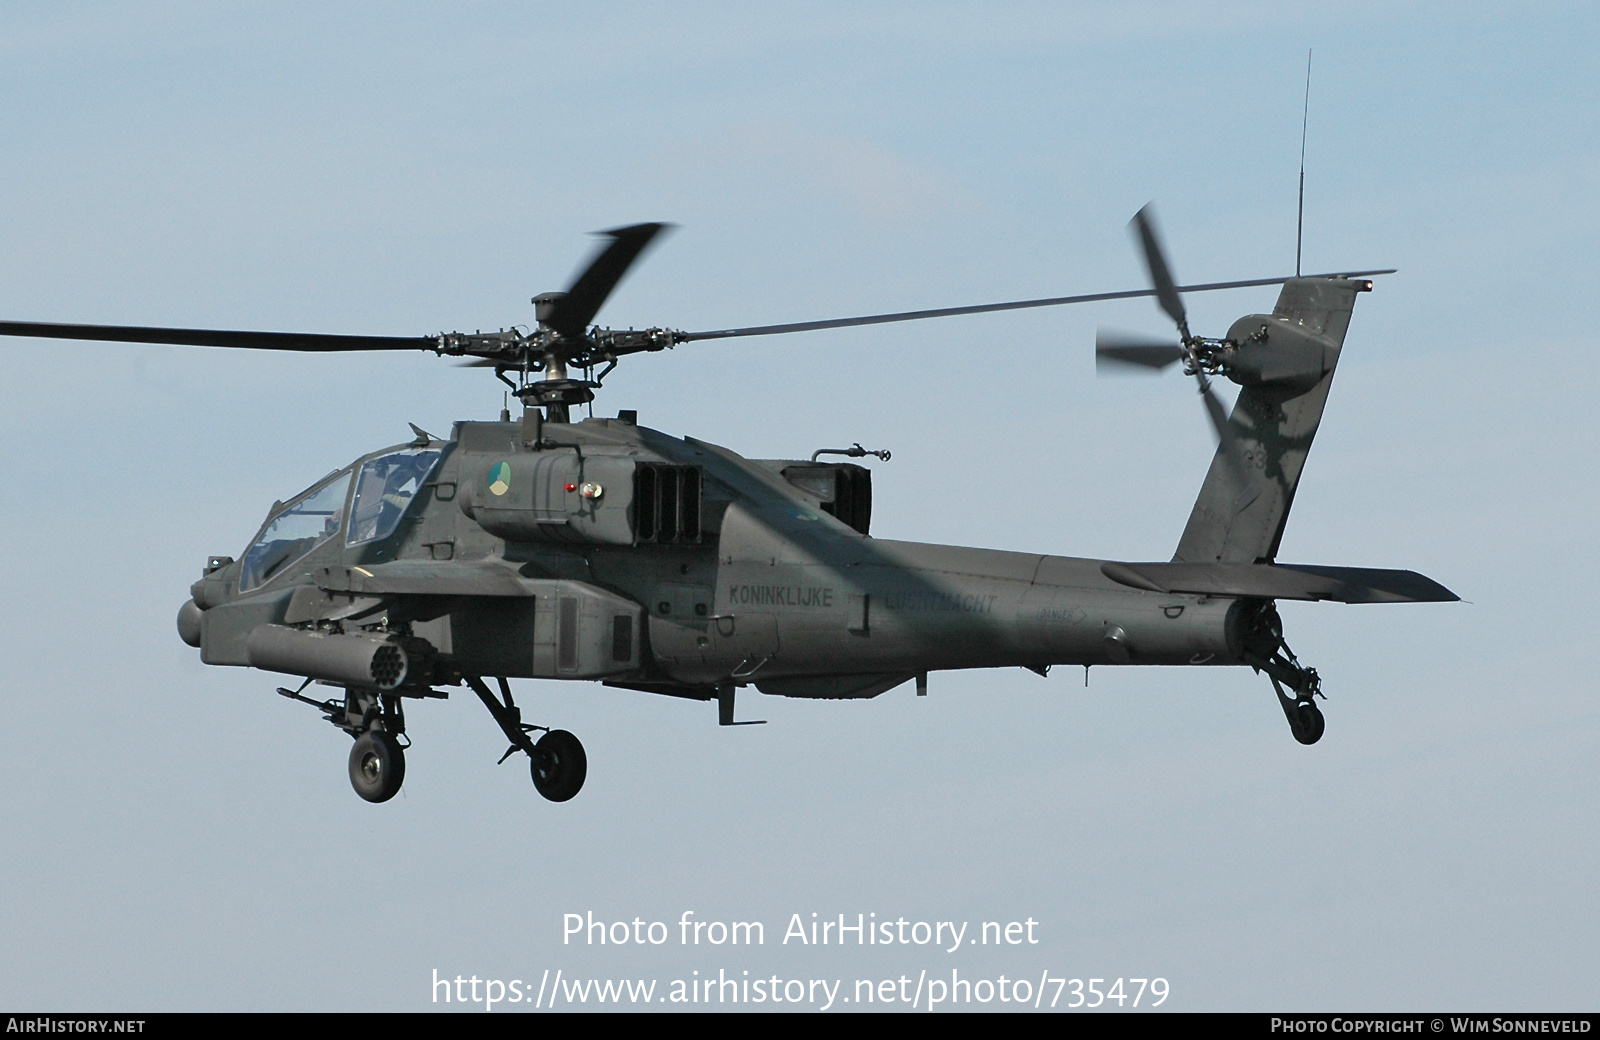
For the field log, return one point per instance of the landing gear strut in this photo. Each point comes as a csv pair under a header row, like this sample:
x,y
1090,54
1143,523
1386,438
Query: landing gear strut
x,y
377,721
556,761
1266,651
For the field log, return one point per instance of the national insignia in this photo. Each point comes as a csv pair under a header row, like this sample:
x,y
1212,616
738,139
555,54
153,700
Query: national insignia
x,y
500,478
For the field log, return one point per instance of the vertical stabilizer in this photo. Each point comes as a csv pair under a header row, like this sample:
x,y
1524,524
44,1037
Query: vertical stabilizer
x,y
1285,362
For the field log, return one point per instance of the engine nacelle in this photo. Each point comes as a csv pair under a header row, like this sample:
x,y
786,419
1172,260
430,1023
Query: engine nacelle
x,y
559,496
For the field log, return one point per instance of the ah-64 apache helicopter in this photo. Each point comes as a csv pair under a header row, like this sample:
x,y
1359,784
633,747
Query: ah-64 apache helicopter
x,y
603,550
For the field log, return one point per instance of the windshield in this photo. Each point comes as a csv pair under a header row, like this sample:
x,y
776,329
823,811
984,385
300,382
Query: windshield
x,y
385,490
301,526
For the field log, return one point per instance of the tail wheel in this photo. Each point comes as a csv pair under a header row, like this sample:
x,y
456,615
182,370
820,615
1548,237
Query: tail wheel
x,y
377,766
559,765
1309,723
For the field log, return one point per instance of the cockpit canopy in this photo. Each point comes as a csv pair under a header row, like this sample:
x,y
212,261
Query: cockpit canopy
x,y
384,492
384,489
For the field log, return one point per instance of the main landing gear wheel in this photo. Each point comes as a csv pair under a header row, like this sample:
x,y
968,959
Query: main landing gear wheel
x,y
559,765
377,766
1307,723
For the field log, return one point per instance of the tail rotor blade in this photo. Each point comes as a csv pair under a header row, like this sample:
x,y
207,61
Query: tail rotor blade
x,y
1155,259
1227,441
573,313
1122,352
1217,414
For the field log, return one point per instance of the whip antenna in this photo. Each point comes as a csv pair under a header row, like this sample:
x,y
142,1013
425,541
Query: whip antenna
x,y
1300,216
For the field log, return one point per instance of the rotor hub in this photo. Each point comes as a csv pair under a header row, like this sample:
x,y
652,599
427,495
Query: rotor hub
x,y
546,392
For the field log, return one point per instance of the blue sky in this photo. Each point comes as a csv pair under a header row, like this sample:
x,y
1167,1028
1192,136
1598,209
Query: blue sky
x,y
179,838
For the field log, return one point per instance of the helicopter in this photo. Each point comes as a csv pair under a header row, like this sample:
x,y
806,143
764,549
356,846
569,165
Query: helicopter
x,y
599,549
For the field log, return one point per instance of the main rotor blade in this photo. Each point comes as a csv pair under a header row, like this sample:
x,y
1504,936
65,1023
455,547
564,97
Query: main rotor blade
x,y
1155,259
309,341
577,309
987,308
1114,351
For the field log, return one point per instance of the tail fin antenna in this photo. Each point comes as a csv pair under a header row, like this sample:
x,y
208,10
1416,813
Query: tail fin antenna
x,y
1300,215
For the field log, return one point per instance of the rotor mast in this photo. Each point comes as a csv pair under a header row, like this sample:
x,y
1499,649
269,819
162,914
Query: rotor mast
x,y
555,392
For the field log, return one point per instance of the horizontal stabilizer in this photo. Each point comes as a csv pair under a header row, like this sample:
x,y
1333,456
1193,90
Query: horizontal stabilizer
x,y
1282,581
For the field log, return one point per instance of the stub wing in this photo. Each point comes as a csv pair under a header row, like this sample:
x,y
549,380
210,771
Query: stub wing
x,y
425,578
1282,581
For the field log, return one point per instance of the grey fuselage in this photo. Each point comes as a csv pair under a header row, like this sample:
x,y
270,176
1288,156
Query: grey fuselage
x,y
759,582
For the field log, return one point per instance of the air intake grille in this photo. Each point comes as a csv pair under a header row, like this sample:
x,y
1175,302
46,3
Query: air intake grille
x,y
567,638
666,503
622,638
844,488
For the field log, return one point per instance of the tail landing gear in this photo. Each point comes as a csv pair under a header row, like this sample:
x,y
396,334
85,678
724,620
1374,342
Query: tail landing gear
x,y
1305,718
1265,651
557,762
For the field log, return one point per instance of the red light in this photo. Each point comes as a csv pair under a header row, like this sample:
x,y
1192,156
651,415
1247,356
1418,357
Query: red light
x,y
572,487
